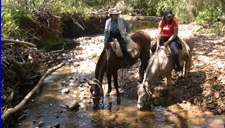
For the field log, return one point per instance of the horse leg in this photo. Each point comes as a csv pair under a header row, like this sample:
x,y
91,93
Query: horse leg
x,y
115,78
109,84
169,84
140,73
144,64
186,69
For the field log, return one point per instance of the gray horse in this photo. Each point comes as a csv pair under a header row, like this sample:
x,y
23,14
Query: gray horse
x,y
162,65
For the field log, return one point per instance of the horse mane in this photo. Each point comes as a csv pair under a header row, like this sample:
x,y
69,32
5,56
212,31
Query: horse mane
x,y
150,62
98,64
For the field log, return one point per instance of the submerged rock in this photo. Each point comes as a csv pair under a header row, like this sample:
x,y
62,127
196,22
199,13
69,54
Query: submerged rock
x,y
58,58
57,125
41,123
65,91
73,105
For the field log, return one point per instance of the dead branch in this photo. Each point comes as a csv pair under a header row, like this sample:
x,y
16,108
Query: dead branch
x,y
56,17
36,50
10,111
76,22
18,42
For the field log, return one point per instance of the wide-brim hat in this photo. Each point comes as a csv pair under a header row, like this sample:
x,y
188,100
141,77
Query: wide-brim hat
x,y
168,12
114,11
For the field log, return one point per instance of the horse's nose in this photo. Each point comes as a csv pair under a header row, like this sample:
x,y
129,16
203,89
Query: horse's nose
x,y
139,106
93,93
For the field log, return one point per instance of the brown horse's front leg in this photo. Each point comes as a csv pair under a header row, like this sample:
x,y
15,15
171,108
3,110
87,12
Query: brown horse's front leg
x,y
144,64
141,73
109,76
115,78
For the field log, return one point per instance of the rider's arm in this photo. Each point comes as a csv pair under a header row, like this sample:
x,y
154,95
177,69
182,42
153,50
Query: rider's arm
x,y
159,35
106,32
126,25
173,36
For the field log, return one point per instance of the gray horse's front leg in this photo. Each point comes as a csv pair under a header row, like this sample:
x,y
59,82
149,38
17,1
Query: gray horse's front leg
x,y
169,84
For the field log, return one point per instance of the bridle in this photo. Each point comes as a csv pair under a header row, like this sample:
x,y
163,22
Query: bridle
x,y
149,93
99,84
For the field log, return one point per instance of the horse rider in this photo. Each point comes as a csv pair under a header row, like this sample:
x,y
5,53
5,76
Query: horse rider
x,y
167,35
117,27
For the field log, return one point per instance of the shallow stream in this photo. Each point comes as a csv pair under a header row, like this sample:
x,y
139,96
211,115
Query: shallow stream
x,y
49,105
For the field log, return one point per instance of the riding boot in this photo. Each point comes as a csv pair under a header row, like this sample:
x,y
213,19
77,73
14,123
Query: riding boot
x,y
177,69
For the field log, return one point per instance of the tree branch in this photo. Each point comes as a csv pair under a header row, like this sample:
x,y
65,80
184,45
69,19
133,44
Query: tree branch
x,y
18,42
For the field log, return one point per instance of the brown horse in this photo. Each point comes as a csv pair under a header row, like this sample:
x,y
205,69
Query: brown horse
x,y
109,63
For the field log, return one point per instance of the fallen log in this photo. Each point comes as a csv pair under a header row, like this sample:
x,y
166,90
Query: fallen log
x,y
10,111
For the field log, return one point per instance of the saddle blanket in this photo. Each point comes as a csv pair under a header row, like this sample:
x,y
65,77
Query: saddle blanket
x,y
131,49
184,53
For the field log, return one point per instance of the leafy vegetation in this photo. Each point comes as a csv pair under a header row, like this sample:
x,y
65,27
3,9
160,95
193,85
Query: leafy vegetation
x,y
39,21
207,13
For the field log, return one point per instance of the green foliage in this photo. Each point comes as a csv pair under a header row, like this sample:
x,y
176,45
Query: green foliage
x,y
8,24
34,19
207,13
143,7
210,15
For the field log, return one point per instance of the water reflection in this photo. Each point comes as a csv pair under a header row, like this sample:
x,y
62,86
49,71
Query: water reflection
x,y
136,25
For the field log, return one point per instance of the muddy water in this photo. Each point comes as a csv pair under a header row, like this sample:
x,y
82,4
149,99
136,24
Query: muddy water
x,y
49,105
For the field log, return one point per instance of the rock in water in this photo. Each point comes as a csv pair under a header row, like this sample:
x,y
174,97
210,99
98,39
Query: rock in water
x,y
58,58
74,105
57,125
41,123
216,94
65,91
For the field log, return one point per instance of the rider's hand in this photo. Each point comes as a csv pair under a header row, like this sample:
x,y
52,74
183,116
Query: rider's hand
x,y
157,47
165,43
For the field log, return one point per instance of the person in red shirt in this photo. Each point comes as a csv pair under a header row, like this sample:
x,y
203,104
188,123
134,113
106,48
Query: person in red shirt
x,y
167,35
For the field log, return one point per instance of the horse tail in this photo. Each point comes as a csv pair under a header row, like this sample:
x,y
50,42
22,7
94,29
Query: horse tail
x,y
189,61
188,57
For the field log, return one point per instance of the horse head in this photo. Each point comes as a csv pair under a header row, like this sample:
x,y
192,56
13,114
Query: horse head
x,y
96,91
144,95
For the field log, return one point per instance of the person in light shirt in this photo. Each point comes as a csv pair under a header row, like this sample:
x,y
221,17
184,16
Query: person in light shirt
x,y
113,29
167,35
